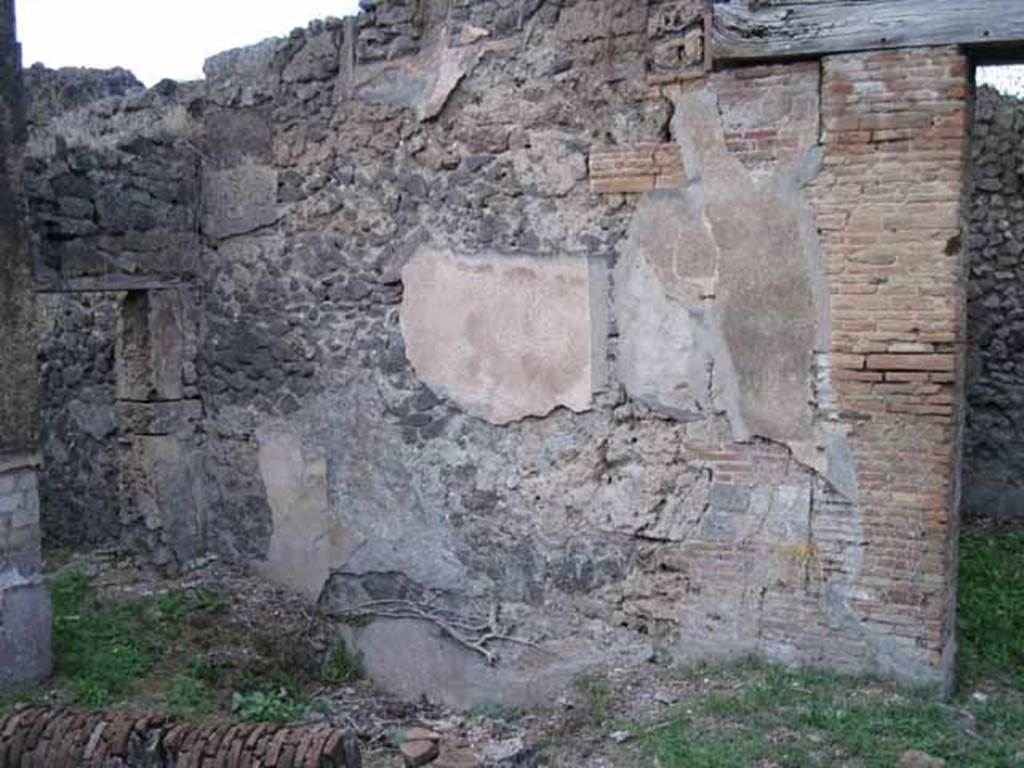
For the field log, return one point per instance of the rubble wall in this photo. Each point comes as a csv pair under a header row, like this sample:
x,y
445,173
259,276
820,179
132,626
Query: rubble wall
x,y
524,344
994,438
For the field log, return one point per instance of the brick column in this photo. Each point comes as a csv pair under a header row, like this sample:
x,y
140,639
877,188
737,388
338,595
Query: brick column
x,y
24,600
888,208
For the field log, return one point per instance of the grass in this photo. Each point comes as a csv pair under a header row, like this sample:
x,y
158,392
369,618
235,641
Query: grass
x,y
760,714
102,649
168,652
189,698
597,696
771,715
991,610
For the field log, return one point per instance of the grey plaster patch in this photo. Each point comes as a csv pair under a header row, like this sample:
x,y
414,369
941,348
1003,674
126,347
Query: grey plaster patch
x,y
504,337
25,654
660,359
394,650
239,199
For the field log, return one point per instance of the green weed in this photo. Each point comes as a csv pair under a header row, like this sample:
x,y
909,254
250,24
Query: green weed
x,y
341,665
759,713
597,693
268,705
491,710
151,651
207,601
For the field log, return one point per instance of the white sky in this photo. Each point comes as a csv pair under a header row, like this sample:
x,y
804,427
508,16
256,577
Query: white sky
x,y
171,38
156,38
1008,79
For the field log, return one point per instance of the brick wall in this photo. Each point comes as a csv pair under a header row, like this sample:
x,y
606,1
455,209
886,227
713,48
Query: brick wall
x,y
888,210
766,109
635,167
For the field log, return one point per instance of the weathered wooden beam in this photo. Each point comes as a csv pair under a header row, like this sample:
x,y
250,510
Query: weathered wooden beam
x,y
105,284
799,29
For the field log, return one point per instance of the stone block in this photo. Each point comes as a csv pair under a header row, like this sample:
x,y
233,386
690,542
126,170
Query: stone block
x,y
238,200
423,83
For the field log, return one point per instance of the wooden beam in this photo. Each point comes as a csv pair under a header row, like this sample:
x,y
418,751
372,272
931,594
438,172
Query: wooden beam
x,y
788,29
106,284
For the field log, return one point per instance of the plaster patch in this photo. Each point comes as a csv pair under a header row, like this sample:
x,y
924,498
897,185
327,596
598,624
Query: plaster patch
x,y
504,337
718,296
307,540
660,358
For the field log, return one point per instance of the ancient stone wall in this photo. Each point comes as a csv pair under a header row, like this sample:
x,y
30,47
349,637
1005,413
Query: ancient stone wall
x,y
994,435
524,344
24,600
78,419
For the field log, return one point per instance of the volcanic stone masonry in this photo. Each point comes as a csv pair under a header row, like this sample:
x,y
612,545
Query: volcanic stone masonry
x,y
518,338
994,435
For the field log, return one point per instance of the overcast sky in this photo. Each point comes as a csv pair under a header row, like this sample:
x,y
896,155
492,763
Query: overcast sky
x,y
1006,79
156,38
171,38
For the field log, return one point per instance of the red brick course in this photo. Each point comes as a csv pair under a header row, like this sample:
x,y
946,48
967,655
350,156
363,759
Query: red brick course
x,y
635,167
